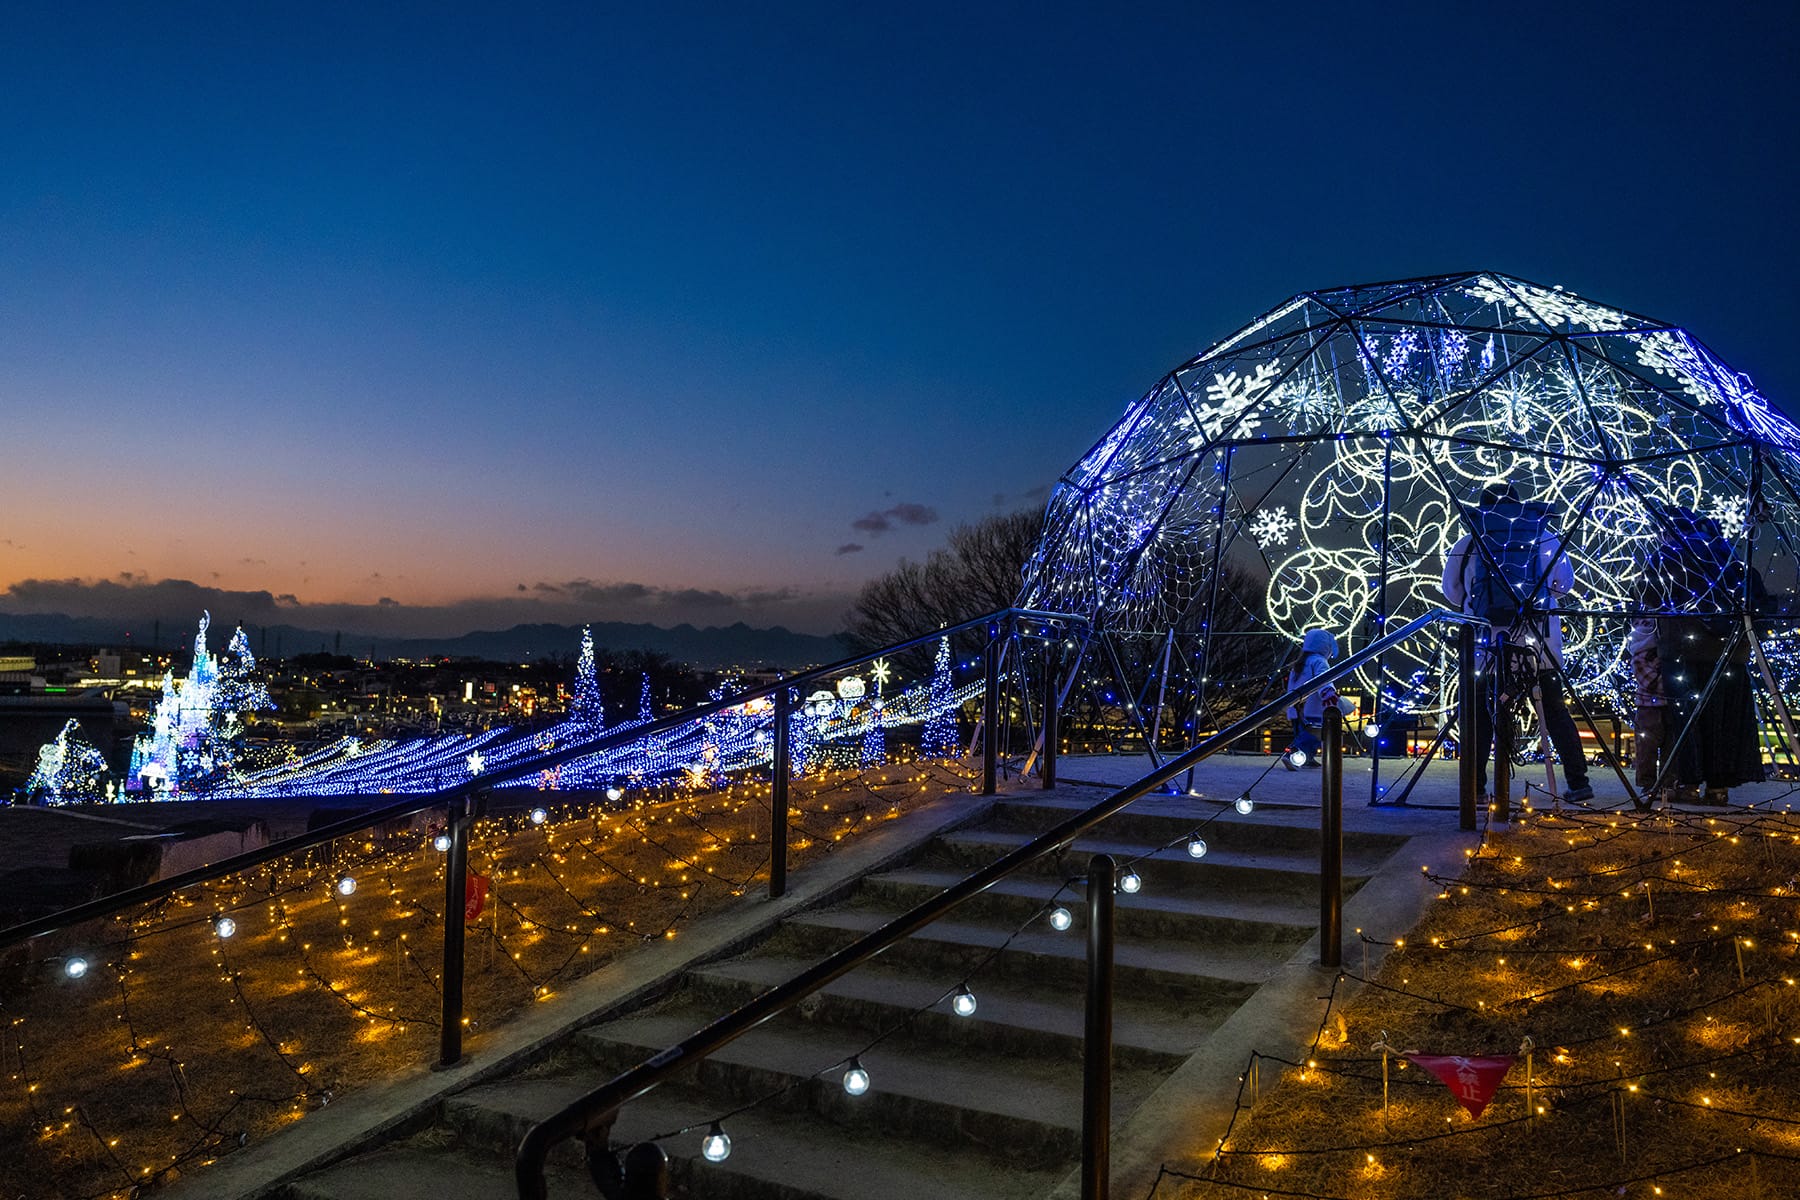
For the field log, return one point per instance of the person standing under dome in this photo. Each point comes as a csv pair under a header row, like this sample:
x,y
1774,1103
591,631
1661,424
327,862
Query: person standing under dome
x,y
1706,659
1511,577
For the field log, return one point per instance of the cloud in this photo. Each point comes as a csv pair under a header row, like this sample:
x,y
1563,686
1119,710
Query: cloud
x,y
132,598
884,521
849,548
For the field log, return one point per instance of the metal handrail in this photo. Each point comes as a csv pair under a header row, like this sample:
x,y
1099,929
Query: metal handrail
x,y
596,1110
460,792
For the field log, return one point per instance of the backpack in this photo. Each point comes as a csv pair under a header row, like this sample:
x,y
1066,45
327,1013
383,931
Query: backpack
x,y
1506,577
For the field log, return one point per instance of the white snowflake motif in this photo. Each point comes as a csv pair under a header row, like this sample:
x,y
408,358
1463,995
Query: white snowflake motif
x,y
1229,398
1729,512
1271,526
1307,402
1552,306
1401,348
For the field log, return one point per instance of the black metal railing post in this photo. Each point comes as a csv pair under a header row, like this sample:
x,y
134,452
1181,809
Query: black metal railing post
x,y
1052,713
1097,1039
778,796
1468,754
456,901
990,713
1501,709
1331,840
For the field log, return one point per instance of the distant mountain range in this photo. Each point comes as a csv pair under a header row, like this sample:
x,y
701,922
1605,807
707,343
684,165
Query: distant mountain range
x,y
732,646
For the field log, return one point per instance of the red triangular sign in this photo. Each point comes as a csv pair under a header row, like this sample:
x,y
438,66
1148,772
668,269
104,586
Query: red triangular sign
x,y
475,894
1473,1081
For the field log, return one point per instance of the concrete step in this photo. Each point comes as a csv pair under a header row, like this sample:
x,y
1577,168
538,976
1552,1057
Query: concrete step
x,y
417,1170
1021,1105
1160,820
1221,872
1182,972
1012,1016
1152,913
775,1154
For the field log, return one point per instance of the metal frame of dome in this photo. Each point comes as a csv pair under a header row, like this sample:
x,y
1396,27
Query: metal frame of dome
x,y
1312,469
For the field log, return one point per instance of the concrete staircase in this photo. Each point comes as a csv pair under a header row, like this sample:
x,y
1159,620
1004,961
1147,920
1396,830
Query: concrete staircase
x,y
985,1107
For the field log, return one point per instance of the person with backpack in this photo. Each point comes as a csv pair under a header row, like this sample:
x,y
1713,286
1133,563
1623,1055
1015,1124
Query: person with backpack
x,y
1706,659
1317,649
1509,570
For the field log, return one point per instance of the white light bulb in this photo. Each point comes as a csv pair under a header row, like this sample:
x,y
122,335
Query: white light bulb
x,y
613,793
1197,847
1060,918
1245,805
441,843
224,926
716,1145
1131,882
539,816
963,1003
346,885
1295,758
856,1080
75,967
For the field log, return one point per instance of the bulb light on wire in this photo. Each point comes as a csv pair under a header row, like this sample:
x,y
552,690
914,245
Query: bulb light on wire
x,y
856,1079
716,1145
963,1003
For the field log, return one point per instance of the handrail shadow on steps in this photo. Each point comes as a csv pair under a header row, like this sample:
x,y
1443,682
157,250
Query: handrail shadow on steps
x,y
643,1173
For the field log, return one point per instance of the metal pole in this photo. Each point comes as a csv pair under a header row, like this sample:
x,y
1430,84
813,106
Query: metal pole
x,y
990,714
1052,713
1331,842
778,797
456,899
1468,697
1097,1040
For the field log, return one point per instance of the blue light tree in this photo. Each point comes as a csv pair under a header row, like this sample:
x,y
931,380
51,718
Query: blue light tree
x,y
939,737
586,706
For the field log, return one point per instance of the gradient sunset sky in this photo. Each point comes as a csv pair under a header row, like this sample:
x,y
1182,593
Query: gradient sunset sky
x,y
671,312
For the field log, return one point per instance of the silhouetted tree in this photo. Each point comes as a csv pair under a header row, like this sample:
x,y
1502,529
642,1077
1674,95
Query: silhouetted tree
x,y
980,569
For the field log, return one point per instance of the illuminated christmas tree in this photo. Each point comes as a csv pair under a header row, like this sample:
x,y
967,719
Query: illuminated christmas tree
x,y
939,737
874,743
586,707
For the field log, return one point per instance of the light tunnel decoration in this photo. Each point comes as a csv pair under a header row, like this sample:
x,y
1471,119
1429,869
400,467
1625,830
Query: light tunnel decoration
x,y
1326,450
828,730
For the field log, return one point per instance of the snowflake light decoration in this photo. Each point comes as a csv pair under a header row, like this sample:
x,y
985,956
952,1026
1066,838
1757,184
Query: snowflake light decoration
x,y
1272,526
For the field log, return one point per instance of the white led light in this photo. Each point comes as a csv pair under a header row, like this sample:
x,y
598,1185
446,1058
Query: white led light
x,y
1131,882
346,885
963,1003
224,926
75,967
441,843
1197,847
1245,805
539,816
613,793
716,1145
1060,918
856,1080
1297,757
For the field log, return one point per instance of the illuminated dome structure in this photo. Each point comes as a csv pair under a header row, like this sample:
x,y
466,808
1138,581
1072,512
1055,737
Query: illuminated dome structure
x,y
1313,468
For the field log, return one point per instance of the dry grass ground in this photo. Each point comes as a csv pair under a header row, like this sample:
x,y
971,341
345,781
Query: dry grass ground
x,y
1649,960
180,1044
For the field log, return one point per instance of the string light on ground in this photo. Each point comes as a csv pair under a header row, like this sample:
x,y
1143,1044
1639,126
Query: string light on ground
x,y
963,1002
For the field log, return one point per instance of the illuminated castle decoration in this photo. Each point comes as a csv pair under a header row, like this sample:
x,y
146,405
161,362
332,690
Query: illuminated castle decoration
x,y
69,771
197,726
1317,464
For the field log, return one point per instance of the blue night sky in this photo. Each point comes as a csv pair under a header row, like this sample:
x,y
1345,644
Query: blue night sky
x,y
502,313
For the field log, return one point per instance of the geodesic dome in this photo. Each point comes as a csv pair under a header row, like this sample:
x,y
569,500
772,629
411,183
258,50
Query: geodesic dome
x,y
1328,451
